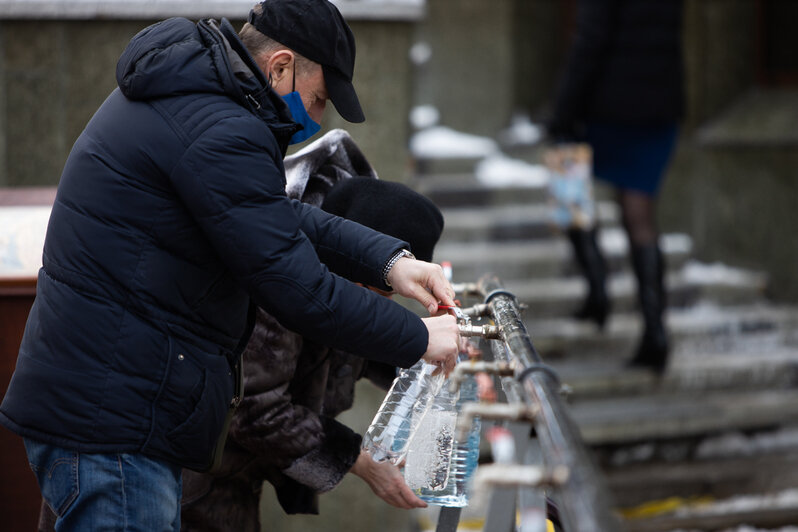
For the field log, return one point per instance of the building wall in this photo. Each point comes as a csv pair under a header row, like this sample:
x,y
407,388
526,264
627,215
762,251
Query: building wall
x,y
733,185
383,83
55,73
53,83
539,44
469,76
720,61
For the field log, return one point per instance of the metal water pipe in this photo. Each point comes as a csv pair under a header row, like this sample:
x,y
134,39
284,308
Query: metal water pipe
x,y
584,498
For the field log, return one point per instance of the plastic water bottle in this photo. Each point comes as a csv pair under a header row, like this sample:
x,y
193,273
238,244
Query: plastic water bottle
x,y
396,422
429,454
463,463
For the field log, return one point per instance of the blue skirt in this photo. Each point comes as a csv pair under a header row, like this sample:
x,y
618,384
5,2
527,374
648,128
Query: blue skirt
x,y
631,157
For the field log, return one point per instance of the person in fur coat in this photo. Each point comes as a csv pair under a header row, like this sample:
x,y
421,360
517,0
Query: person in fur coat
x,y
285,430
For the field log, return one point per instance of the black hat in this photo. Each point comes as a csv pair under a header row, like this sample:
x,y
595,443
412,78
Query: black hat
x,y
390,208
316,30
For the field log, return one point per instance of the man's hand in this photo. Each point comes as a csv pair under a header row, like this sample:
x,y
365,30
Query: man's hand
x,y
386,481
443,345
422,281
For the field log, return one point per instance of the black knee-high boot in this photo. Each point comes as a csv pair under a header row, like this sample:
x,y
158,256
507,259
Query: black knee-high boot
x,y
649,267
591,262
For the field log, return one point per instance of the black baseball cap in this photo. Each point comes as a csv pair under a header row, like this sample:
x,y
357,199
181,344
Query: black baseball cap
x,y
316,30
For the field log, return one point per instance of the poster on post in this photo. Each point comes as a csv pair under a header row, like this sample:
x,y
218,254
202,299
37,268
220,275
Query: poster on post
x,y
22,231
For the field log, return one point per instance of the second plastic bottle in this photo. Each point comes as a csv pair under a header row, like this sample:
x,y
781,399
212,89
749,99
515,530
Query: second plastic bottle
x,y
403,408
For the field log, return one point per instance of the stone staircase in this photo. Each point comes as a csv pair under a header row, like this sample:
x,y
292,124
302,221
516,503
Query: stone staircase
x,y
732,373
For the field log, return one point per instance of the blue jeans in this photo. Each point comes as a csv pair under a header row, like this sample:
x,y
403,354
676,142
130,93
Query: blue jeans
x,y
107,492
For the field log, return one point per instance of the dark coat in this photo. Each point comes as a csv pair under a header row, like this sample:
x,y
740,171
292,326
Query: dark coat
x,y
284,430
171,215
625,65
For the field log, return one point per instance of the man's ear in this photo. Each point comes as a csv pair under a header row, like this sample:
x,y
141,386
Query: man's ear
x,y
279,66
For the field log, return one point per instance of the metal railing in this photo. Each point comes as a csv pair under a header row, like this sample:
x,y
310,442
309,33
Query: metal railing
x,y
534,396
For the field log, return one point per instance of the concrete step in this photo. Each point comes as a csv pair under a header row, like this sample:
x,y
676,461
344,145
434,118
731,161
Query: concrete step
x,y
687,372
457,185
707,484
546,258
465,190
735,514
684,468
662,415
563,296
509,222
424,167
703,328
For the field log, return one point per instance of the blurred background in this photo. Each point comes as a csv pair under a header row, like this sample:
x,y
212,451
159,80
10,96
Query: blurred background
x,y
731,185
481,75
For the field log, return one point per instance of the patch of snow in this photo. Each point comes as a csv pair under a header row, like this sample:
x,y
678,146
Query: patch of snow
x,y
676,243
744,503
733,444
424,116
746,528
717,273
613,241
702,312
499,170
441,142
738,444
633,454
521,132
420,53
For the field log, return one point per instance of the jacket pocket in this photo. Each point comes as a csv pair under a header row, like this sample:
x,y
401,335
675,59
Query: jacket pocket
x,y
194,400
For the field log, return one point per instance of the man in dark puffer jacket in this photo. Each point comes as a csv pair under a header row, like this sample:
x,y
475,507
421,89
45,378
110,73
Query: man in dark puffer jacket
x,y
285,431
170,224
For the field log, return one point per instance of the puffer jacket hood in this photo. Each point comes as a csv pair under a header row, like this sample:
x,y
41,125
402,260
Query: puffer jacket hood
x,y
177,56
171,58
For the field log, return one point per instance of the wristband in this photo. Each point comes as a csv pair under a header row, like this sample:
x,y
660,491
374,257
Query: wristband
x,y
390,264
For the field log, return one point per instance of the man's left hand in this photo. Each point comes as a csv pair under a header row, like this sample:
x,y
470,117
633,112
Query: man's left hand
x,y
422,281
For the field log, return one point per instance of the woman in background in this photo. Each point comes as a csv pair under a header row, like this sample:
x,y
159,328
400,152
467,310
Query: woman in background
x,y
621,91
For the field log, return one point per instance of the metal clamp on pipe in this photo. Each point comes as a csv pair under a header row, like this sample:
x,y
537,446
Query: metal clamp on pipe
x,y
466,289
478,310
515,475
503,411
489,332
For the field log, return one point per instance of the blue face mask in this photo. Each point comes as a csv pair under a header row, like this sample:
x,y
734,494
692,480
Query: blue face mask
x,y
300,116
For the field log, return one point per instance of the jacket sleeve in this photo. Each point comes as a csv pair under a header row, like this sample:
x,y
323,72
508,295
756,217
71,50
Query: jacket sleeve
x,y
271,423
349,249
324,466
234,187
